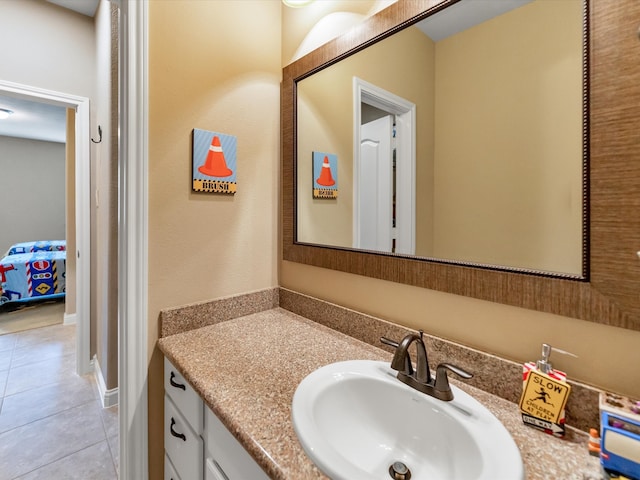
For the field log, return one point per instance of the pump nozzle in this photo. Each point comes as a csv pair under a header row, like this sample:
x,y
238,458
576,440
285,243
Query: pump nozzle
x,y
543,364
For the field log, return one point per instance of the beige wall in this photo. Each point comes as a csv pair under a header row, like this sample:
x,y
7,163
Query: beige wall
x,y
32,183
511,192
213,66
324,221
304,29
51,47
608,355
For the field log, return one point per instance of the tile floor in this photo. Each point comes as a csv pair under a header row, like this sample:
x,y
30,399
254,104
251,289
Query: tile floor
x,y
52,425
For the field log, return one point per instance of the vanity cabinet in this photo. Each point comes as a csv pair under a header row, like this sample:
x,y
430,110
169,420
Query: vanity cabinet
x,y
197,444
226,454
169,470
183,427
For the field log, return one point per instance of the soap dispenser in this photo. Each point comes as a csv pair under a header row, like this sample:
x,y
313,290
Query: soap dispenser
x,y
544,394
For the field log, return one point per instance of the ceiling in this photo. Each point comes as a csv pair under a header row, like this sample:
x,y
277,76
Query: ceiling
x,y
85,7
33,120
37,120
466,14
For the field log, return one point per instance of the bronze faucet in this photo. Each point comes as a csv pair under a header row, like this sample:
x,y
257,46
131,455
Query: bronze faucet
x,y
420,378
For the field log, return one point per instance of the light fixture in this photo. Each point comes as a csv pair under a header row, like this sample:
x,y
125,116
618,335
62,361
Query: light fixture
x,y
296,3
4,113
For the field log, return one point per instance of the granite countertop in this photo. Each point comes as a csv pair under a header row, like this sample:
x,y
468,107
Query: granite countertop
x,y
247,369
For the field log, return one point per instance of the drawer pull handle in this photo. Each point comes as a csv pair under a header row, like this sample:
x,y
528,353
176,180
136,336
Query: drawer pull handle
x,y
174,433
174,383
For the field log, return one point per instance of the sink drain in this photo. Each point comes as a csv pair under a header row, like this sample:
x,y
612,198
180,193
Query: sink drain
x,y
399,471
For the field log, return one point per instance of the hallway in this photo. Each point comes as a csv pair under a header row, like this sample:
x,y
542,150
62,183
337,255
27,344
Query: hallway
x,y
52,425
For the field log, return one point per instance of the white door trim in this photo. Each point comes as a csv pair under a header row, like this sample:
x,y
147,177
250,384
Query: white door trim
x,y
83,206
132,241
405,111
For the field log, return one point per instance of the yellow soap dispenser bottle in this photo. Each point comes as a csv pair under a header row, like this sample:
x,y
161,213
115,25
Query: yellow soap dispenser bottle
x,y
544,394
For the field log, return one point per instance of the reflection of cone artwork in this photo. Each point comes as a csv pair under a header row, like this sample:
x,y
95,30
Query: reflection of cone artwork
x,y
215,164
325,179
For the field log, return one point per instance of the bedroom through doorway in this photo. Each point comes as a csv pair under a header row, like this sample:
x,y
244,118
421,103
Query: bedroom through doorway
x,y
69,140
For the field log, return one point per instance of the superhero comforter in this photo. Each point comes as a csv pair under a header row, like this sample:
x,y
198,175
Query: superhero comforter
x,y
32,276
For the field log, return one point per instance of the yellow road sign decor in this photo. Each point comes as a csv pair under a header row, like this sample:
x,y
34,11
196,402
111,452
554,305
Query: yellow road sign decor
x,y
544,397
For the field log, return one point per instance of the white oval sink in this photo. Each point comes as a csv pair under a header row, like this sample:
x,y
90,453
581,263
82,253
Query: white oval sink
x,y
355,419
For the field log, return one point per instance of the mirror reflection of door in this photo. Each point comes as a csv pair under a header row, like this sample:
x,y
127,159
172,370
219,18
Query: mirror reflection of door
x,y
376,187
384,170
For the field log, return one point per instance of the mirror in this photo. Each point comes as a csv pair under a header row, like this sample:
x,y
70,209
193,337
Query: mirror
x,y
467,146
609,293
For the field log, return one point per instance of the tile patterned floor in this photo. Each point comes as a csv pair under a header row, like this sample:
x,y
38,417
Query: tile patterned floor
x,y
52,425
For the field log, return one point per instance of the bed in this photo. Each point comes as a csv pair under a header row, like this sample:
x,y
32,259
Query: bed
x,y
32,275
37,246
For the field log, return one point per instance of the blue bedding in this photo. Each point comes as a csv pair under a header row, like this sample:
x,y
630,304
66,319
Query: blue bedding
x,y
37,246
32,276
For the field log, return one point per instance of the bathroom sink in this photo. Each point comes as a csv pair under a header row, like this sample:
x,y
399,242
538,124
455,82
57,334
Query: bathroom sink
x,y
356,420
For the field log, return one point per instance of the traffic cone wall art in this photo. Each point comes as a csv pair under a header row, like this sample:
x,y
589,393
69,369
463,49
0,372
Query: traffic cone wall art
x,y
214,162
325,175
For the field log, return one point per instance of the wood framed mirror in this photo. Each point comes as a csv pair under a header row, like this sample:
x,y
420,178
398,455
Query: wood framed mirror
x,y
608,291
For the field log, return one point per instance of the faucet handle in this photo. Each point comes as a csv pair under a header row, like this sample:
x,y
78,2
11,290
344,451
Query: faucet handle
x,y
388,341
442,381
443,367
408,367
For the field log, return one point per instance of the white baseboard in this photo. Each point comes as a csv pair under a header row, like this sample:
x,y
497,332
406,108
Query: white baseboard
x,y
109,398
69,319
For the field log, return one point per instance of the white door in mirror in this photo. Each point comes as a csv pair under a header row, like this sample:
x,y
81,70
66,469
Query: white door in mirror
x,y
375,186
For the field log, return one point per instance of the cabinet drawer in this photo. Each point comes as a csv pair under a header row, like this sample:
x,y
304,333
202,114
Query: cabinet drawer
x,y
183,446
169,471
184,396
228,453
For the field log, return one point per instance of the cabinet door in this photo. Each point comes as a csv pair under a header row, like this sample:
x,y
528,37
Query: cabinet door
x,y
184,396
212,471
169,471
183,446
228,453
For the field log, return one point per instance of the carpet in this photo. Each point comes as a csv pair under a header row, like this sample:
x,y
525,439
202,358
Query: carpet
x,y
25,316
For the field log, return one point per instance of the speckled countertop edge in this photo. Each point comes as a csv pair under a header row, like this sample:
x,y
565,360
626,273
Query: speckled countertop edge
x,y
246,369
492,374
200,314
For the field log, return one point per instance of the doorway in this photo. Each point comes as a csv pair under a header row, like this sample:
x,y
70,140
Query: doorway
x,y
384,170
82,205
